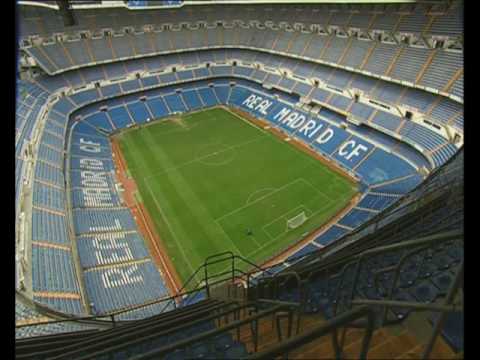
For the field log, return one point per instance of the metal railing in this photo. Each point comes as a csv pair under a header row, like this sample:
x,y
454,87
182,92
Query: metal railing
x,y
423,219
269,289
252,321
447,306
191,288
233,274
441,182
344,306
357,263
228,268
348,308
330,327
133,335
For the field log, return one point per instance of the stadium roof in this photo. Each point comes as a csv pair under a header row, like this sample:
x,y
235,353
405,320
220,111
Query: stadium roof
x,y
144,4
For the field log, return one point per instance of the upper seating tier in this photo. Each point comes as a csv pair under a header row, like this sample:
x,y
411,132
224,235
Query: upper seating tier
x,y
90,216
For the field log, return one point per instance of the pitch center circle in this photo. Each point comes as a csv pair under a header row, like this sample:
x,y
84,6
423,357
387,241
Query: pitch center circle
x,y
216,155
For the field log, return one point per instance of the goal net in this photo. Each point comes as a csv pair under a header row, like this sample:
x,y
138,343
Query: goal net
x,y
297,220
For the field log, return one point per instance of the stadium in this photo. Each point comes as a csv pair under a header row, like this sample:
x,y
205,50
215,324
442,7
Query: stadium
x,y
239,179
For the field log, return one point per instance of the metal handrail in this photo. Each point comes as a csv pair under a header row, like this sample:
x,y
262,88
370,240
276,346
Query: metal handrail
x,y
427,240
359,258
418,246
356,248
408,248
452,291
418,306
274,281
396,276
133,335
109,318
253,320
164,318
97,318
385,212
330,326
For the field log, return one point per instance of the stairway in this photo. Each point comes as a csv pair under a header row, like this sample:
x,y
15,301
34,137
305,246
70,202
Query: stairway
x,y
229,292
386,343
279,309
421,265
129,339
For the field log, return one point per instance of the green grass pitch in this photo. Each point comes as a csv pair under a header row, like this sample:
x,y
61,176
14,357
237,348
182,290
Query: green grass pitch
x,y
207,177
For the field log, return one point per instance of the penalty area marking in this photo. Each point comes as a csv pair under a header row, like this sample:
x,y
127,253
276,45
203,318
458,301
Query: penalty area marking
x,y
259,191
301,206
256,242
285,232
321,193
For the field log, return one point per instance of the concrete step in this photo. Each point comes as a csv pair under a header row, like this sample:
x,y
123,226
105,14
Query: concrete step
x,y
352,350
402,341
323,348
441,350
228,292
392,346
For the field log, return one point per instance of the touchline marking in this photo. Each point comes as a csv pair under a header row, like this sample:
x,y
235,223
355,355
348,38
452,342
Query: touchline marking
x,y
198,159
181,128
229,238
133,149
246,121
171,229
169,226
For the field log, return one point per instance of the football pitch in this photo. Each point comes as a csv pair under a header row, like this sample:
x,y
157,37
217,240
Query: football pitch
x,y
212,181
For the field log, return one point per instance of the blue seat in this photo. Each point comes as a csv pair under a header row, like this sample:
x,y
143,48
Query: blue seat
x,y
407,279
443,261
318,286
427,270
370,292
453,329
223,342
385,281
291,295
121,355
365,279
326,306
236,351
443,281
456,253
425,292
401,313
176,355
311,306
199,350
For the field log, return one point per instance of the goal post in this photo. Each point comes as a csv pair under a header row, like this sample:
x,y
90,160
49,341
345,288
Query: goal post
x,y
297,220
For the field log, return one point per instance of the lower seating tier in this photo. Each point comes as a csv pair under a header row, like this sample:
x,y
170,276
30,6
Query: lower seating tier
x,y
351,150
